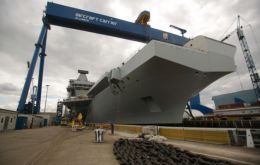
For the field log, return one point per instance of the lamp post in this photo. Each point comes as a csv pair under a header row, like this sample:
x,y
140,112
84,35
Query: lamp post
x,y
47,86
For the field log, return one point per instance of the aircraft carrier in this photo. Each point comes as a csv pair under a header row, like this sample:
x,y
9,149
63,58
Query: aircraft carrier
x,y
154,86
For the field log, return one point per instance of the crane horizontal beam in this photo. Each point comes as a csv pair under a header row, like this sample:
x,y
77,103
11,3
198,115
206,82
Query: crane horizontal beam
x,y
69,17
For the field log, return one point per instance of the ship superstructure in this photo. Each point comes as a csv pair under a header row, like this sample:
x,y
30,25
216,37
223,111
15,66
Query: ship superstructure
x,y
78,93
79,87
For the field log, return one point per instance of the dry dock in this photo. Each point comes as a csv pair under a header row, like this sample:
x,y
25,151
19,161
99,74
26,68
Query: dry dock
x,y
56,145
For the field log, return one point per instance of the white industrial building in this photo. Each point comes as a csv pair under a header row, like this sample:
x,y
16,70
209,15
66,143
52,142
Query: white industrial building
x,y
50,116
7,119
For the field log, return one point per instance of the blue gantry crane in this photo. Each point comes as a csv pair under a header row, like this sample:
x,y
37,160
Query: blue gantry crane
x,y
196,104
69,17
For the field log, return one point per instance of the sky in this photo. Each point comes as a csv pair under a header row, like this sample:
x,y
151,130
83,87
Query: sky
x,y
69,50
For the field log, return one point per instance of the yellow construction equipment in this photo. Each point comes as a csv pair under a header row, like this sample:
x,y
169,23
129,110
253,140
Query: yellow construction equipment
x,y
77,123
143,18
64,122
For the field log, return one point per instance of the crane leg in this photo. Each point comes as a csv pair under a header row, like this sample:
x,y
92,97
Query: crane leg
x,y
28,80
41,68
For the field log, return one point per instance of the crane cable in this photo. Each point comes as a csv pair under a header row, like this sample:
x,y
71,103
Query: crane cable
x,y
228,29
253,33
254,37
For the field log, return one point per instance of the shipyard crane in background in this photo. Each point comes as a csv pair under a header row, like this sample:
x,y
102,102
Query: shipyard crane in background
x,y
254,76
69,17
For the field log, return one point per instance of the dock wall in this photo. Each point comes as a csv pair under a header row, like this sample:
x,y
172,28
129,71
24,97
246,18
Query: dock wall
x,y
206,135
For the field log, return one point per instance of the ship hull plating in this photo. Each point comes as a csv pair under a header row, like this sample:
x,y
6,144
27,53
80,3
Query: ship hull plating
x,y
155,93
154,86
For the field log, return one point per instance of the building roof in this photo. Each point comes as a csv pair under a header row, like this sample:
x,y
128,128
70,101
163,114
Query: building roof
x,y
7,111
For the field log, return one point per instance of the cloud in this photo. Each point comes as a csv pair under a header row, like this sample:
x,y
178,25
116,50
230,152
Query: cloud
x,y
9,89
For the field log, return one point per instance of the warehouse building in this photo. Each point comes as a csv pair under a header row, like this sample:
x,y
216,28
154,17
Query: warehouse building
x,y
235,100
243,104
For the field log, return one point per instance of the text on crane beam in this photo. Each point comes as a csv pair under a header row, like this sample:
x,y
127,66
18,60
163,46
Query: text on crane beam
x,y
88,18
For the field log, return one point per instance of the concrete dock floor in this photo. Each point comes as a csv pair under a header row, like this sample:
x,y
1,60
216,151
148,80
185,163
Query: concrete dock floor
x,y
59,145
238,155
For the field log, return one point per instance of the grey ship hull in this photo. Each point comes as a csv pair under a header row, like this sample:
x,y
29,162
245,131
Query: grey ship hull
x,y
154,86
